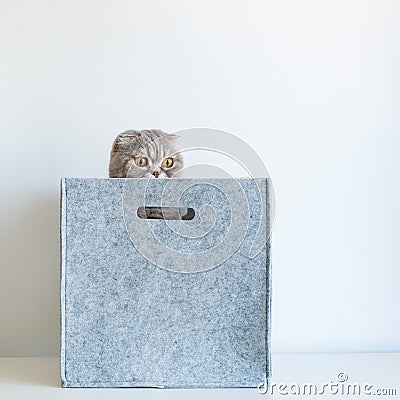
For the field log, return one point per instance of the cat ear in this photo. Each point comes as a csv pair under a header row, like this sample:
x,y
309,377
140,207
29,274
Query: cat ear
x,y
173,136
123,139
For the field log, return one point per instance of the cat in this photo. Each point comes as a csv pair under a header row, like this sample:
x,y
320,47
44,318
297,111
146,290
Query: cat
x,y
149,153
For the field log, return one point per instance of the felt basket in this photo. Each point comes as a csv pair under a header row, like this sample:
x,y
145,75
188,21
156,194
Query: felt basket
x,y
168,304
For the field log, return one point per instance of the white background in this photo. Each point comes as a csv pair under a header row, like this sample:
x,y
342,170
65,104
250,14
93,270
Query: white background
x,y
312,85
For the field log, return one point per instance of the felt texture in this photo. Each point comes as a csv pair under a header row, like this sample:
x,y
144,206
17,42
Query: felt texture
x,y
194,314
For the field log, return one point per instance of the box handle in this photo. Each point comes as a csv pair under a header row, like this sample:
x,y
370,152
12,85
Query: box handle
x,y
166,213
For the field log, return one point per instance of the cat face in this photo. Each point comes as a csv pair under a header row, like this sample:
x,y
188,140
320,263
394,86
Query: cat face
x,y
145,154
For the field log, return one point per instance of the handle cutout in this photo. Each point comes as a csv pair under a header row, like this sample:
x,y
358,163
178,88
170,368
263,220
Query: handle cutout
x,y
166,213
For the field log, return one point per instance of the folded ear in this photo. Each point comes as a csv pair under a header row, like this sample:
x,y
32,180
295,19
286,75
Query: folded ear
x,y
124,139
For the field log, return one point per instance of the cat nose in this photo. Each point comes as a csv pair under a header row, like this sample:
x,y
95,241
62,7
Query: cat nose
x,y
156,174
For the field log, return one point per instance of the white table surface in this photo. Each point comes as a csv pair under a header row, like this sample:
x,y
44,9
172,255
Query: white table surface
x,y
38,378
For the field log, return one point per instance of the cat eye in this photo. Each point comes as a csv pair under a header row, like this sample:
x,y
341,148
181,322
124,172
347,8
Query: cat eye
x,y
168,162
141,161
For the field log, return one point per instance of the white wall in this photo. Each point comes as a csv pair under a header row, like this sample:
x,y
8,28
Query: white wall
x,y
312,85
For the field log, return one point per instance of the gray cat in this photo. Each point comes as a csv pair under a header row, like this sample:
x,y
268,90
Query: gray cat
x,y
145,154
148,154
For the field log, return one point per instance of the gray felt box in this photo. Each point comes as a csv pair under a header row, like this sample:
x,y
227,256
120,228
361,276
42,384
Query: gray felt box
x,y
156,303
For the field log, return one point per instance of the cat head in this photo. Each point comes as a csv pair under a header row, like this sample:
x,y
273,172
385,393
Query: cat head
x,y
145,154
